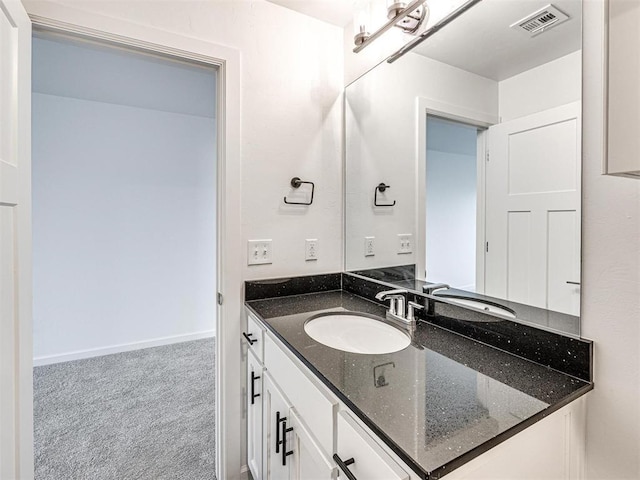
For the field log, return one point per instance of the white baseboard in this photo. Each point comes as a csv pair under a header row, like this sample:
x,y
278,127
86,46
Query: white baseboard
x,y
127,347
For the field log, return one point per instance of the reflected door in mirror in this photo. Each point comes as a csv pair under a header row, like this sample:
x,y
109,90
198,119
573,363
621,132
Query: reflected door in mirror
x,y
533,210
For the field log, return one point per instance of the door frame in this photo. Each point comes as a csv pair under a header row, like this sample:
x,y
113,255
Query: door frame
x,y
425,107
118,32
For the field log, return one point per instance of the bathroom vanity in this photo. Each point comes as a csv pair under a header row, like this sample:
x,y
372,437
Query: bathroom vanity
x,y
508,406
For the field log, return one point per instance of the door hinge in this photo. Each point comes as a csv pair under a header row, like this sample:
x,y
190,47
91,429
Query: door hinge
x,y
487,247
220,298
487,155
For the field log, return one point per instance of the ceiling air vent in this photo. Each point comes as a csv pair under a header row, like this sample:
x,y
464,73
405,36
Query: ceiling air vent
x,y
540,21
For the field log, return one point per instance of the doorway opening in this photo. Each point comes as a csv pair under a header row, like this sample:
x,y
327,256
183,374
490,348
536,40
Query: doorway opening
x,y
125,261
453,206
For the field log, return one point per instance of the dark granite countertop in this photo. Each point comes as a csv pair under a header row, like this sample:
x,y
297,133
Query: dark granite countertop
x,y
539,317
438,403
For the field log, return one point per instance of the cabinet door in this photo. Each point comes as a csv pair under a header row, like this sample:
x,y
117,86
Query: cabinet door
x,y
309,461
364,457
254,415
275,465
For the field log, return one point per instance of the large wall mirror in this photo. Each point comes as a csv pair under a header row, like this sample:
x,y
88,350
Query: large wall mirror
x,y
463,160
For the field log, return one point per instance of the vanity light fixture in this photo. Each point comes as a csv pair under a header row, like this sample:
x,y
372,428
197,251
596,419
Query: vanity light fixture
x,y
407,16
433,29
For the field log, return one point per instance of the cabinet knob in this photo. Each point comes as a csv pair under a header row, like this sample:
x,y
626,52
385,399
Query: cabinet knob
x,y
285,453
248,337
282,440
344,466
254,395
279,420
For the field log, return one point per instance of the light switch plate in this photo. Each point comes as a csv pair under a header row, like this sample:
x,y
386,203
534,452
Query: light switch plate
x,y
259,252
405,243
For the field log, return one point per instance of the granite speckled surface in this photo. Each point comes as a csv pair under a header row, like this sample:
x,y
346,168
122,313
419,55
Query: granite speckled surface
x,y
400,277
568,354
439,402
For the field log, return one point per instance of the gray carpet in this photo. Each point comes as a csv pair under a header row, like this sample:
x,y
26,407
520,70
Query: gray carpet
x,y
141,415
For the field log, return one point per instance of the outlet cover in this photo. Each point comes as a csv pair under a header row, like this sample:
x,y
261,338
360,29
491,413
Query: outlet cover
x,y
259,252
369,246
311,249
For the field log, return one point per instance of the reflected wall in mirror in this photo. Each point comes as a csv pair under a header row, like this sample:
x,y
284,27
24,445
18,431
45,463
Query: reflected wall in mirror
x,y
476,135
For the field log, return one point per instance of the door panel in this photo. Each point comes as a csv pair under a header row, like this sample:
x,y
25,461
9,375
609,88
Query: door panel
x,y
16,397
533,209
8,326
276,407
309,461
370,461
254,414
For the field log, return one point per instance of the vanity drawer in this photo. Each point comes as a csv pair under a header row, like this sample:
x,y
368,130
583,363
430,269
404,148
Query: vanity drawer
x,y
316,408
363,456
254,337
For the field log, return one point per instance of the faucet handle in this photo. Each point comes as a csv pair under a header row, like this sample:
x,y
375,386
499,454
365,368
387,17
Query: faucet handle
x,y
432,287
411,308
388,293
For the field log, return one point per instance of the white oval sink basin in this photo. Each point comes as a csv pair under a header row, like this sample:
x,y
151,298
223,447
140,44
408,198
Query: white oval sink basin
x,y
480,305
356,333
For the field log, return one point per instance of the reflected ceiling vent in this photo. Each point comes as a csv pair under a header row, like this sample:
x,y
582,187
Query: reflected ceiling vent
x,y
540,21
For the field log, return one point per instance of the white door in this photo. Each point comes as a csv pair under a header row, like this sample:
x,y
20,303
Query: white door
x,y
309,461
533,210
16,397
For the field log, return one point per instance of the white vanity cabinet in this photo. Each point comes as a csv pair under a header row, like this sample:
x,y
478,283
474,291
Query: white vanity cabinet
x,y
362,455
310,462
255,393
290,450
280,442
254,338
277,450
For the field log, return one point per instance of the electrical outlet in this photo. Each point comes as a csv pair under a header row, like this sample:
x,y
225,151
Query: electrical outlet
x,y
258,252
405,243
369,246
311,249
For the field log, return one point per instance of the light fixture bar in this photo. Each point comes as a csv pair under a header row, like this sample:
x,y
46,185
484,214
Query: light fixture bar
x,y
402,14
427,33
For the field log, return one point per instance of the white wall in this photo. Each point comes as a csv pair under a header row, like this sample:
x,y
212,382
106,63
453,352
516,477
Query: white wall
x,y
291,116
610,283
123,207
550,85
451,203
124,233
381,142
291,81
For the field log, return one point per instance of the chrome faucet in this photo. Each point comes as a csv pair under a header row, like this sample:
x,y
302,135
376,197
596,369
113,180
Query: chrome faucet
x,y
397,305
400,310
429,289
432,287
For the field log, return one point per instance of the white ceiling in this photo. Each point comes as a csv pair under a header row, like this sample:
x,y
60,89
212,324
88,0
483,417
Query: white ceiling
x,y
480,41
336,12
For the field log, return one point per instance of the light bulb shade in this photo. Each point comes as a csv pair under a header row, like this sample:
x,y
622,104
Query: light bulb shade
x,y
361,21
362,16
